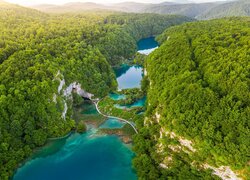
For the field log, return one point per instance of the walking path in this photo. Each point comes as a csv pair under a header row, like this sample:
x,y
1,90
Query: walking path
x,y
124,120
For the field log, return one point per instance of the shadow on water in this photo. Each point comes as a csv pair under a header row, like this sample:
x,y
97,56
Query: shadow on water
x,y
87,107
119,71
131,78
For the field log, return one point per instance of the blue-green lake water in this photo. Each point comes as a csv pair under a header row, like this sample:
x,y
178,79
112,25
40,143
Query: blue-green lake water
x,y
117,96
147,43
138,103
88,156
112,123
88,108
85,156
128,78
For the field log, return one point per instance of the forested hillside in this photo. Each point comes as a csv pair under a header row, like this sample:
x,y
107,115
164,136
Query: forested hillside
x,y
37,53
42,56
189,10
235,8
117,45
210,10
198,112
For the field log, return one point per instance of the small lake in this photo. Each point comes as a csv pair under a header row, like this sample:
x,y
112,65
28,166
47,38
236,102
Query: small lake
x,y
85,156
117,96
130,76
88,108
147,45
139,103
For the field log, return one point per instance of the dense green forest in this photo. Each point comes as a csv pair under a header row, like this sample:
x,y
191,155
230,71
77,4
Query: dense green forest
x,y
198,111
38,51
121,44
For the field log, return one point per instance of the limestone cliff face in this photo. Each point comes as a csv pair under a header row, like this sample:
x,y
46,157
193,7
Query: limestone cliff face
x,y
182,145
76,87
65,92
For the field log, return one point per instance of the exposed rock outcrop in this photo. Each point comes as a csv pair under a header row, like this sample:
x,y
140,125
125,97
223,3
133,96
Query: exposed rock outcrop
x,y
67,92
65,110
185,145
76,87
224,172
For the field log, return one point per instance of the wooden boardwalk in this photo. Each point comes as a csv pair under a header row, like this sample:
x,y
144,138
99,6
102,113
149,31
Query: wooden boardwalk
x,y
124,120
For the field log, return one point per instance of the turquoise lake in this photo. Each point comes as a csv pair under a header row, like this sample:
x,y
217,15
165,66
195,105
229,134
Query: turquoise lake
x,y
147,43
138,103
85,156
89,156
112,123
117,96
88,108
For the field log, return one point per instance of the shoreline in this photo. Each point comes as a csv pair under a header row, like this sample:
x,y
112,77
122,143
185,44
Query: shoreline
x,y
61,137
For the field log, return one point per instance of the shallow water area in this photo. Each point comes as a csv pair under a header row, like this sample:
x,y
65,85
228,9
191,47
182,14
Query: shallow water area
x,y
112,123
83,156
88,108
139,103
117,96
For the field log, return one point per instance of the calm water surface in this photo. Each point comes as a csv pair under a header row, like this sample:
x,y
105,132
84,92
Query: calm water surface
x,y
117,96
139,103
82,156
85,156
128,78
147,43
112,123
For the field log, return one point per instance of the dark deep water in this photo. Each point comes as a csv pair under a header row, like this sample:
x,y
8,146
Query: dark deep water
x,y
147,43
131,76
